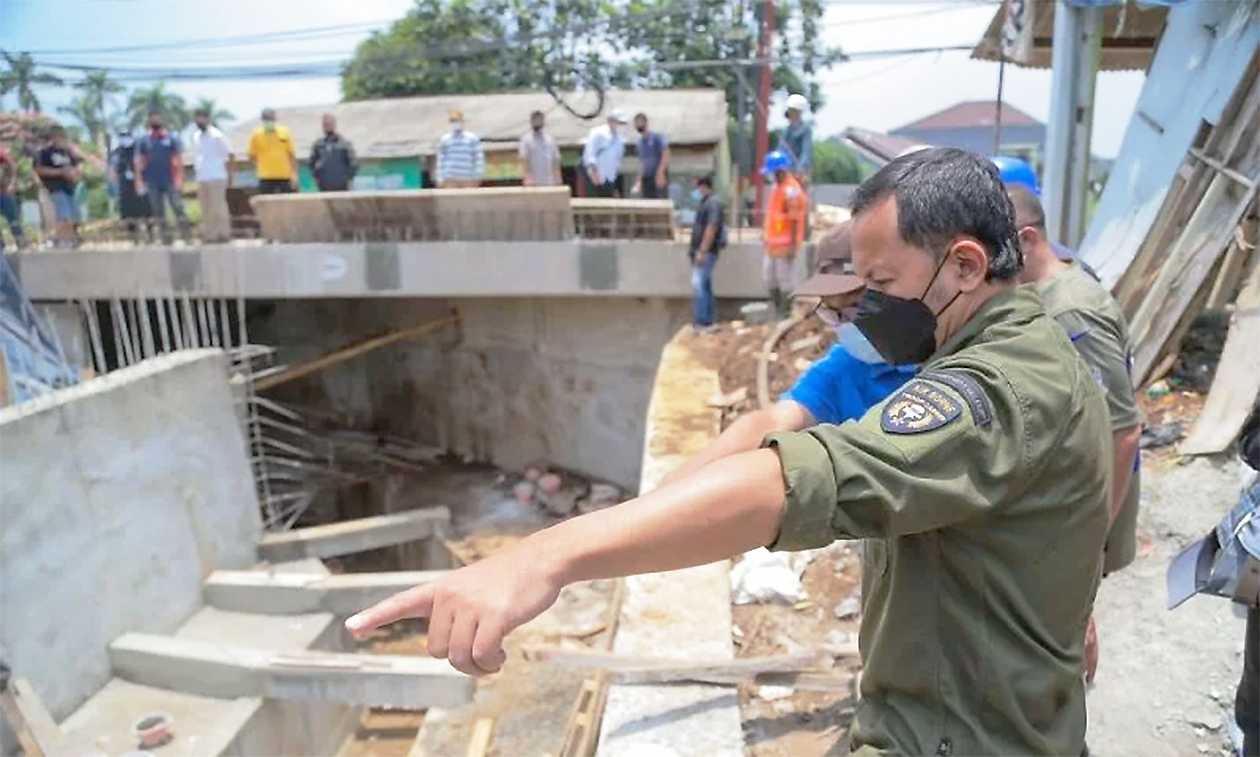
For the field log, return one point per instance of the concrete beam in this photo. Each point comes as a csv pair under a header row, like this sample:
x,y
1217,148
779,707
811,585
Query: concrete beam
x,y
350,536
567,268
218,670
293,593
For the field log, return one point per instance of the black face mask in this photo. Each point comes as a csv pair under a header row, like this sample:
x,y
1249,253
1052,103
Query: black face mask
x,y
903,330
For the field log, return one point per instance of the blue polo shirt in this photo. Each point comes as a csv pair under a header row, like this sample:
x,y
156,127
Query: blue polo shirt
x,y
159,149
840,387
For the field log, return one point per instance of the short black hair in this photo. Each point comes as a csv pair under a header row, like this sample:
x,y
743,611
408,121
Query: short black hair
x,y
942,192
205,112
538,113
1028,210
706,180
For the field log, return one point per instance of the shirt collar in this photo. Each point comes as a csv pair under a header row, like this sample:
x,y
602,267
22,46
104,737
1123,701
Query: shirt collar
x,y
1015,303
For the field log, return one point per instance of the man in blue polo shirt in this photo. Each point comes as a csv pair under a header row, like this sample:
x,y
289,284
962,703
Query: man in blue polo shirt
x,y
850,379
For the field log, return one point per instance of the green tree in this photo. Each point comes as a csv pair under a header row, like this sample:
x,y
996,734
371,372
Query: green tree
x,y
98,98
834,163
160,100
217,115
21,78
476,46
84,111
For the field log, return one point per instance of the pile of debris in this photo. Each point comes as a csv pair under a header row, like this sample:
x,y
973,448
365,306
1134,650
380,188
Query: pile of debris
x,y
562,493
1199,257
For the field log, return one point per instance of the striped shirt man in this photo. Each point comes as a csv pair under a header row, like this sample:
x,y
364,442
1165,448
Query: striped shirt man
x,y
461,161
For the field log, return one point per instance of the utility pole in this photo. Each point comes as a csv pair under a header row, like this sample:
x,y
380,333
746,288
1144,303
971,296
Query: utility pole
x,y
764,48
1074,59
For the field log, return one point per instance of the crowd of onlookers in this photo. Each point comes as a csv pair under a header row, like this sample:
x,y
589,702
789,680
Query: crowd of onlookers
x,y
145,173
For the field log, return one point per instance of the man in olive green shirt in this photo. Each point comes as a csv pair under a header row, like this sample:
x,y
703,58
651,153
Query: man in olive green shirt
x,y
1095,324
984,482
1097,327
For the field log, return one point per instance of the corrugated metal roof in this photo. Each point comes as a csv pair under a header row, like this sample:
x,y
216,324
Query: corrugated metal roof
x,y
876,146
1129,36
409,126
971,113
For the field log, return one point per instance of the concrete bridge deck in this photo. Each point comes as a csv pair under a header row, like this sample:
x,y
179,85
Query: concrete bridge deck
x,y
566,268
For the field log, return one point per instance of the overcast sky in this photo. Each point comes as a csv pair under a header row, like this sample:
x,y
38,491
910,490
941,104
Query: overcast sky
x,y
879,94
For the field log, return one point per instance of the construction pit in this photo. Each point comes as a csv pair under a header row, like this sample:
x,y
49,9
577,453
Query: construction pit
x,y
185,534
191,527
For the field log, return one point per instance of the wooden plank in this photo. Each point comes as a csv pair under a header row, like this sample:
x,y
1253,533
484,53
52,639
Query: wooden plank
x,y
1228,277
343,354
635,669
1237,382
483,733
581,733
1189,264
350,536
229,671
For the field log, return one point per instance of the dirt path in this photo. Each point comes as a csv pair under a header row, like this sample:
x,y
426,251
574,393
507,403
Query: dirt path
x,y
1167,678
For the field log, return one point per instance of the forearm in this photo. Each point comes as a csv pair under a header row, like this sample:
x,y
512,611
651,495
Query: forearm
x,y
743,435
1124,450
728,508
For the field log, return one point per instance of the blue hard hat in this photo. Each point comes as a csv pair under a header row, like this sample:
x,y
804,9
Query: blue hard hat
x,y
1017,171
776,160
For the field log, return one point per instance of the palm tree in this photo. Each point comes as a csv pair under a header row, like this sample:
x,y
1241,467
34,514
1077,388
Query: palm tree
x,y
84,110
99,90
157,99
22,78
217,115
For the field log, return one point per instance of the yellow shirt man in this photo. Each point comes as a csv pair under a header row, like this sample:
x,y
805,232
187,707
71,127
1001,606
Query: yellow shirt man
x,y
271,150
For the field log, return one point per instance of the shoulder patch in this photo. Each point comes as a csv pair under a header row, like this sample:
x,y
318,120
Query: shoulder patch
x,y
917,408
969,388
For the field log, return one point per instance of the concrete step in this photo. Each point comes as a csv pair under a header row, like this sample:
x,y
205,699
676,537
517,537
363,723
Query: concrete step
x,y
278,633
350,536
269,593
228,671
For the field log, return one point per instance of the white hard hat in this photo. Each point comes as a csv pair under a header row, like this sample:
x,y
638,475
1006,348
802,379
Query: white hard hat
x,y
618,115
797,102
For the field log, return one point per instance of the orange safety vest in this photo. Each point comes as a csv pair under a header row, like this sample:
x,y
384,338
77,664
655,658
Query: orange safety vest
x,y
784,228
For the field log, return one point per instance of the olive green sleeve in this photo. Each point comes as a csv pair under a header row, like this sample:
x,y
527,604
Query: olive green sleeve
x,y
858,479
1103,346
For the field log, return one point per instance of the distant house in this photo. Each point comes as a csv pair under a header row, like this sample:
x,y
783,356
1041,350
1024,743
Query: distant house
x,y
396,138
970,125
874,149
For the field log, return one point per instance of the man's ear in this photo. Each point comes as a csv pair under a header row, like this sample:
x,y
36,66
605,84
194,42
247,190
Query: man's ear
x,y
972,262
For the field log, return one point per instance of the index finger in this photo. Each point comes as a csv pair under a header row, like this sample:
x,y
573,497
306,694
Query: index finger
x,y
416,602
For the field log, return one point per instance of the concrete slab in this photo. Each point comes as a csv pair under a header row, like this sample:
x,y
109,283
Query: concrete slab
x,y
686,612
318,630
350,536
485,213
249,591
642,268
228,671
202,725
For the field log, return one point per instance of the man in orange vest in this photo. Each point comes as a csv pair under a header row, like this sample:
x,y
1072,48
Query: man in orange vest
x,y
783,230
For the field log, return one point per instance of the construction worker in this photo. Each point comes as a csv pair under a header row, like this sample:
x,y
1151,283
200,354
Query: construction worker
x,y
848,381
798,139
980,486
1097,327
783,230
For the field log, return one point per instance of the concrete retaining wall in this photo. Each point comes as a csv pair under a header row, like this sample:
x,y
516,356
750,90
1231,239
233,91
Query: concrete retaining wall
x,y
562,380
117,497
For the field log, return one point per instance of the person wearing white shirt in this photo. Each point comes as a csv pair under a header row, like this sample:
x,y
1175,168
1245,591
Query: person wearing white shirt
x,y
601,157
212,162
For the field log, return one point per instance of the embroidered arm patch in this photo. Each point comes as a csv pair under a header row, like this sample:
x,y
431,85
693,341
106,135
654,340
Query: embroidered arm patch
x,y
917,408
969,388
